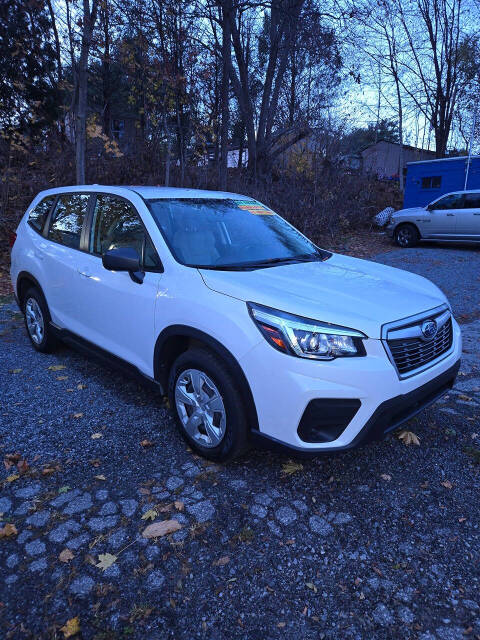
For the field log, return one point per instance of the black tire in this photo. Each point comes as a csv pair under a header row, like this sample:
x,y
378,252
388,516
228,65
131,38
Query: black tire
x,y
406,235
235,438
48,342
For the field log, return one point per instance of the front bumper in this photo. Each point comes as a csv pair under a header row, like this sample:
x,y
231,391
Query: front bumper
x,y
283,387
386,418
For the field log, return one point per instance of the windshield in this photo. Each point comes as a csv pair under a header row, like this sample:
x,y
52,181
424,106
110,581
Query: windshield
x,y
222,233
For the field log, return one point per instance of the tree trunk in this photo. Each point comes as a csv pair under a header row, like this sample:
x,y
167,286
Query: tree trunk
x,y
224,94
81,115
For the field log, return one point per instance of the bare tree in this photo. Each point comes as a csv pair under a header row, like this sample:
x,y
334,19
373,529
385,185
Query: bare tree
x,y
88,23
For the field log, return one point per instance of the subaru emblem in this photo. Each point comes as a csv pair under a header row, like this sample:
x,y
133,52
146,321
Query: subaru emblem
x,y
429,329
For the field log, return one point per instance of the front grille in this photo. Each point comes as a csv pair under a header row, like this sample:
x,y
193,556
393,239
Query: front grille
x,y
412,353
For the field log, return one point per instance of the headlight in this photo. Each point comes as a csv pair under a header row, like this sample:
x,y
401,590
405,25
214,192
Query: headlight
x,y
306,338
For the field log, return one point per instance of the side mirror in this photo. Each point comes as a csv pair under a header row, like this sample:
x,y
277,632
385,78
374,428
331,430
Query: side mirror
x,y
123,259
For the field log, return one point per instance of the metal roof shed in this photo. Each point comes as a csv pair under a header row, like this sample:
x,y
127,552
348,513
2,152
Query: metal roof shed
x,y
426,180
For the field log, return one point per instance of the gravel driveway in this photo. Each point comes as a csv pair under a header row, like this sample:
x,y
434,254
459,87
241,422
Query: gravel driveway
x,y
382,542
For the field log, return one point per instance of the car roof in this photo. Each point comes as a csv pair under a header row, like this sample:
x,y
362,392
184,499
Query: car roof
x,y
146,192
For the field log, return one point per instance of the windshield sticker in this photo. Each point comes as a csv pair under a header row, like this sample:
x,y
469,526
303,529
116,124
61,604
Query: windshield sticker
x,y
254,207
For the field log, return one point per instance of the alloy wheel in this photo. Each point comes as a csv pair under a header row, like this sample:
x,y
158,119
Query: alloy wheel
x,y
200,407
35,321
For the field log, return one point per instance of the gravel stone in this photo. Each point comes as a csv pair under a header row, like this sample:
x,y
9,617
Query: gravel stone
x,y
129,506
382,615
342,518
28,492
82,586
300,506
5,505
406,615
23,536
38,565
63,531
11,579
38,519
320,525
101,495
285,515
79,504
23,509
63,498
35,548
117,538
108,509
100,524
174,482
12,560
274,528
78,541
155,580
263,498
202,511
258,511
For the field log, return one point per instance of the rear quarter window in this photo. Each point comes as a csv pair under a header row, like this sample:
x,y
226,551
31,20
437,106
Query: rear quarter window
x,y
38,214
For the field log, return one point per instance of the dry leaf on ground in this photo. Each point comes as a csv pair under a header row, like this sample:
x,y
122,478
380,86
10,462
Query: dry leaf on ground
x,y
291,467
159,529
71,627
179,506
146,443
386,477
100,477
13,477
57,367
8,530
106,560
447,484
151,514
66,555
96,436
408,437
221,562
78,415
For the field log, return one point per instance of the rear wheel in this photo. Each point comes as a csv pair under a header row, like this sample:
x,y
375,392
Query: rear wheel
x,y
208,405
406,235
37,321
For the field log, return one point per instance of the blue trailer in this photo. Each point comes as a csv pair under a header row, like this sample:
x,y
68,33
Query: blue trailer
x,y
426,180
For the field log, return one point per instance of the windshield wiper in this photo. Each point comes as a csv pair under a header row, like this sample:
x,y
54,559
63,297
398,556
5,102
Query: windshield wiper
x,y
269,262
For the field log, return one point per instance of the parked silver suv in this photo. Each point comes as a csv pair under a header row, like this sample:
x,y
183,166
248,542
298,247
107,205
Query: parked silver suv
x,y
452,217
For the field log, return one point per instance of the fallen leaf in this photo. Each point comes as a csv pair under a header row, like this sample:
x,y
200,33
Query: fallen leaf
x,y
311,586
81,386
179,506
221,562
66,555
447,484
106,560
48,470
291,467
386,477
62,377
64,489
13,477
159,529
280,625
408,437
8,530
151,514
23,466
71,627
57,367
96,436
78,415
15,370
465,398
100,477
147,443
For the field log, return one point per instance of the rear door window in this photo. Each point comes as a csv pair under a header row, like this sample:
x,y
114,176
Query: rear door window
x,y
39,214
472,201
68,219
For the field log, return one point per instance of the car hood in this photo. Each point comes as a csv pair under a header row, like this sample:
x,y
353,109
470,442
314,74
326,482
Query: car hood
x,y
342,290
412,211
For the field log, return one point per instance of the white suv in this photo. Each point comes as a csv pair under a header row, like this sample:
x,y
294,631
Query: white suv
x,y
255,334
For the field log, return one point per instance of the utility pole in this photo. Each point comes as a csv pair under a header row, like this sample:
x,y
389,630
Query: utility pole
x,y
469,159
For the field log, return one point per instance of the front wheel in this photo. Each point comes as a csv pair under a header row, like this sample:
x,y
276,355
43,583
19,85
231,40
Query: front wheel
x,y
406,235
37,319
208,405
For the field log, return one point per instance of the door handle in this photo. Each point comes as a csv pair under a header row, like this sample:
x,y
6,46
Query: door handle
x,y
450,215
476,214
85,274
